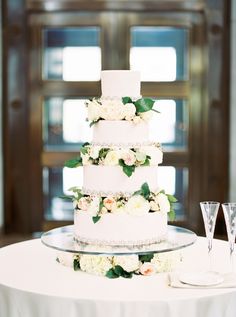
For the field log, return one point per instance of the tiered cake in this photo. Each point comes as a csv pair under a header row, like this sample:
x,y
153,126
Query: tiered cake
x,y
120,203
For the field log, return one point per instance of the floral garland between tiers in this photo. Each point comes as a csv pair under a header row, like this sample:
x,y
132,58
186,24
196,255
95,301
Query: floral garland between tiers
x,y
121,266
116,109
128,158
140,203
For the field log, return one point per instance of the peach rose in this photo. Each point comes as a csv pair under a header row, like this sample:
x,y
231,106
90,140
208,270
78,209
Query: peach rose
x,y
109,202
147,269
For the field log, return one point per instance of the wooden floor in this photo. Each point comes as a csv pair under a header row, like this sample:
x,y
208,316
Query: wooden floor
x,y
12,238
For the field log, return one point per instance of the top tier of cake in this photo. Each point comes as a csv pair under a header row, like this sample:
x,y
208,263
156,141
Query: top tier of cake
x,y
120,83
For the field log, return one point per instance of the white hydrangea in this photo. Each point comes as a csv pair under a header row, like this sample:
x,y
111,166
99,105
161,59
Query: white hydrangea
x,y
165,262
163,202
95,264
137,205
112,158
129,263
94,111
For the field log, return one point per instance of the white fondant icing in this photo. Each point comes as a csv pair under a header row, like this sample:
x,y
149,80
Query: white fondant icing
x,y
120,228
120,132
112,178
120,83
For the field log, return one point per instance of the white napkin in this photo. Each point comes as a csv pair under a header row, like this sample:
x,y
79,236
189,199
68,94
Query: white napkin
x,y
228,282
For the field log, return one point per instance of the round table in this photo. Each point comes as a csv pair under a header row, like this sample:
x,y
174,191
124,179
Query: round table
x,y
33,284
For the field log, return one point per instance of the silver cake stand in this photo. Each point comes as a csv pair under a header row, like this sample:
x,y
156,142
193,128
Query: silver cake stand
x,y
62,239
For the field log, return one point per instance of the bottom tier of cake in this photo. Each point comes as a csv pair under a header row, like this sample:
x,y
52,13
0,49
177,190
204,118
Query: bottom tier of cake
x,y
120,229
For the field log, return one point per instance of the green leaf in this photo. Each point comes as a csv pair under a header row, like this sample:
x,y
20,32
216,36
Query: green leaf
x,y
121,272
128,170
85,144
96,218
138,192
101,205
171,215
145,190
84,150
73,162
103,152
144,104
93,122
111,274
171,198
126,100
68,197
76,264
147,162
146,257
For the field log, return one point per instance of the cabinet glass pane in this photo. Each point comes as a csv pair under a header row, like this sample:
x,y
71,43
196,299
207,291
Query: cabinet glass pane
x,y
72,54
170,126
64,124
159,53
58,181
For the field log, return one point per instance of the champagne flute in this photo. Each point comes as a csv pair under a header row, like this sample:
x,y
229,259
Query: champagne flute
x,y
209,212
229,210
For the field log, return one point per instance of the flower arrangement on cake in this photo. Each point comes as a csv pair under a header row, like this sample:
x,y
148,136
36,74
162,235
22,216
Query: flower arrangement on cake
x,y
139,203
120,109
127,158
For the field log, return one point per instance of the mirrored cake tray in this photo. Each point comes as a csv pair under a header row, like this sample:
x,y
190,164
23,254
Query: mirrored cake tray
x,y
62,239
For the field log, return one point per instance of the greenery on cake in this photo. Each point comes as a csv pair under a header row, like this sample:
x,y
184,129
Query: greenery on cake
x,y
127,158
121,266
120,109
139,203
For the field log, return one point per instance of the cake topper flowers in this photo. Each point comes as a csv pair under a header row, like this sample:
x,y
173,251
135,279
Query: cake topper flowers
x,y
120,109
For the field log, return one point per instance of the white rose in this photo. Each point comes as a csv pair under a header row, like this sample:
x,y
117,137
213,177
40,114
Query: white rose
x,y
154,152
163,202
146,116
128,157
93,208
129,111
112,158
93,111
94,152
112,110
129,263
147,269
137,205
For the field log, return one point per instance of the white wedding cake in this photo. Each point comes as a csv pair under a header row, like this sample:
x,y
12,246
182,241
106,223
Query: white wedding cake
x,y
120,202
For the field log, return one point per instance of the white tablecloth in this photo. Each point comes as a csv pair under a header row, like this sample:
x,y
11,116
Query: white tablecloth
x,y
33,284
